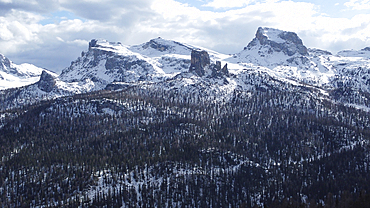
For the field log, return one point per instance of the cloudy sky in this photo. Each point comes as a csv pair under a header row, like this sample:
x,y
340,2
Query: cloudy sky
x,y
52,33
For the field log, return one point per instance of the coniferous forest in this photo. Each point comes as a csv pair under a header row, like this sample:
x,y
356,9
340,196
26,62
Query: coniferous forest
x,y
149,147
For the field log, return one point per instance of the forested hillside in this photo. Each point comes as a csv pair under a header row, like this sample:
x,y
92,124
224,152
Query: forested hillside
x,y
144,146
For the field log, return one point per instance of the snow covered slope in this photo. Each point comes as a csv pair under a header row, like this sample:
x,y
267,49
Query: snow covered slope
x,y
13,75
274,59
106,62
283,55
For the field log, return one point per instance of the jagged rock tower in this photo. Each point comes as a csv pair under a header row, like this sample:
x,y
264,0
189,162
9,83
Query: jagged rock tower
x,y
199,60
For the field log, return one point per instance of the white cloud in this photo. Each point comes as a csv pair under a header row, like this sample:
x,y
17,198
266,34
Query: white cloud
x,y
358,4
17,29
217,4
231,30
55,45
5,33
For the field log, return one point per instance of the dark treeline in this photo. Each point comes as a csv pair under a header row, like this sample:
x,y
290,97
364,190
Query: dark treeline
x,y
148,147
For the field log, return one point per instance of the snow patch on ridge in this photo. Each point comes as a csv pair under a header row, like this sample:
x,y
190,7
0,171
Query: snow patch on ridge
x,y
13,75
280,55
273,35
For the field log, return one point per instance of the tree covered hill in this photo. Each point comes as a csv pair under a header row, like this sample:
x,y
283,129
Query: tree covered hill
x,y
149,146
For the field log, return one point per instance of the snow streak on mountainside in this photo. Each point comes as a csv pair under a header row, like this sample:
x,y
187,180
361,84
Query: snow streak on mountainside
x,y
282,54
154,61
12,75
272,55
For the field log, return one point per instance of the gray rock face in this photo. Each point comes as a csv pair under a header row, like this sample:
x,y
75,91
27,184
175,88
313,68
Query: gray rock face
x,y
217,71
163,46
5,66
199,60
93,43
156,45
103,64
289,43
298,60
121,63
90,59
315,51
225,70
47,82
4,61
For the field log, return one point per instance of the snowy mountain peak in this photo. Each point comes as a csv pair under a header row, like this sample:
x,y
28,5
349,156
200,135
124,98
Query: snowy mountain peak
x,y
160,46
106,62
264,34
4,62
102,43
275,40
275,53
13,75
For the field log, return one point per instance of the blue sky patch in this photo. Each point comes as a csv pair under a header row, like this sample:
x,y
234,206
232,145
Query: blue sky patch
x,y
58,16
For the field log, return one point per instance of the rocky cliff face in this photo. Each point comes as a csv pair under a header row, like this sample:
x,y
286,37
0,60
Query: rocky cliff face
x,y
107,62
217,71
199,60
160,46
4,62
47,82
278,41
278,53
284,53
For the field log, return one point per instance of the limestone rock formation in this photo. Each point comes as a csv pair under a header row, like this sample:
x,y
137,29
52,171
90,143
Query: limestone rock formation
x,y
278,41
217,71
199,60
47,82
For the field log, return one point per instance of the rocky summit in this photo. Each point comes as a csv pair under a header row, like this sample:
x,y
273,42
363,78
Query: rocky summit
x,y
4,62
13,75
278,41
279,54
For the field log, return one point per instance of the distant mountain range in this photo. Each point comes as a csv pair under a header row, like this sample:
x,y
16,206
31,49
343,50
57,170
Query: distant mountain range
x,y
278,54
167,124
